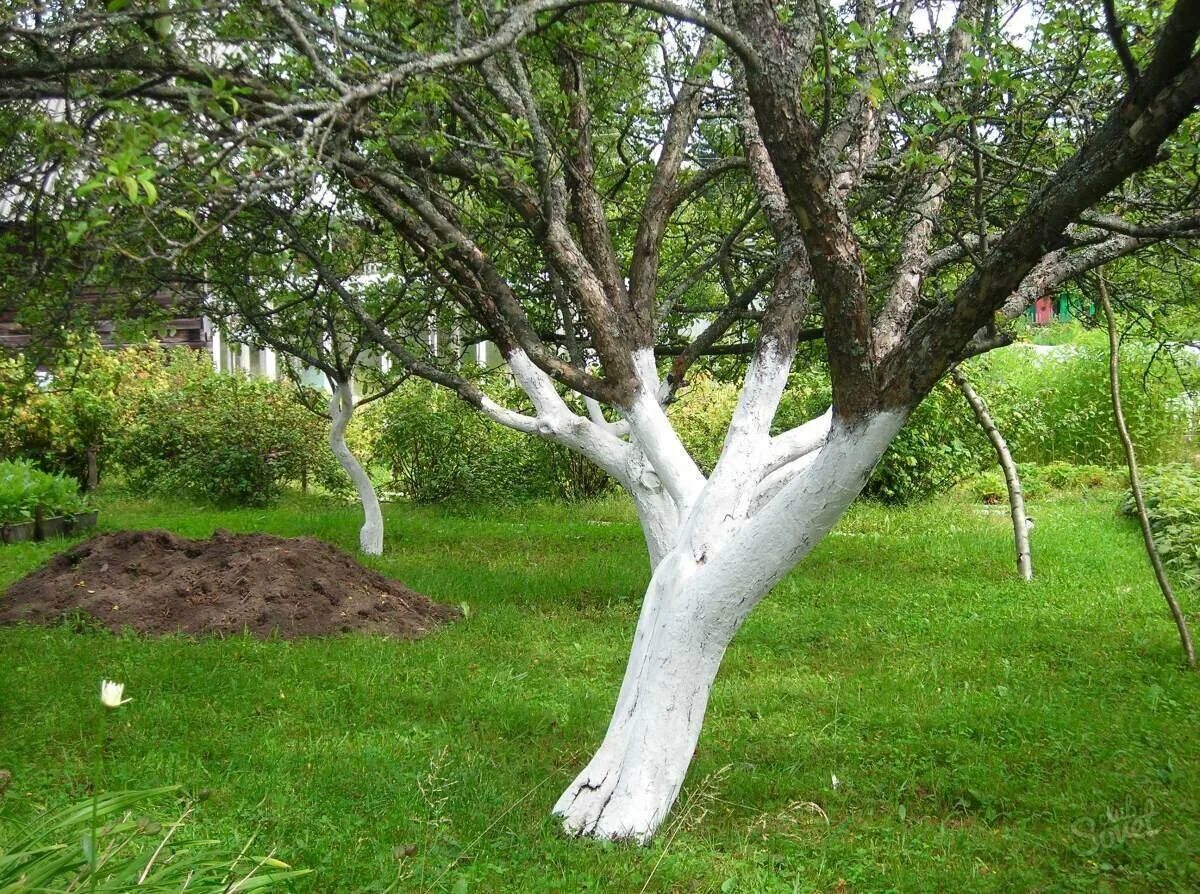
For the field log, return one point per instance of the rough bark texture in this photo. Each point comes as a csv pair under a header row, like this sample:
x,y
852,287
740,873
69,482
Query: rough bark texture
x,y
1012,481
1135,483
341,408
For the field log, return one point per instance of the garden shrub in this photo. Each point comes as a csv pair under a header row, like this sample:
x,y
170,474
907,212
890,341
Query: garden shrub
x,y
436,448
25,489
57,422
168,424
1067,409
1172,495
225,439
701,415
1039,480
572,477
939,445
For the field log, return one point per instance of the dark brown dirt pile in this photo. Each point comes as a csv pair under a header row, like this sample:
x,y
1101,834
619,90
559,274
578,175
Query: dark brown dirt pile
x,y
154,582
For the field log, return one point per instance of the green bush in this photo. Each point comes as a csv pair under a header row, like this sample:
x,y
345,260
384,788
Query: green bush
x,y
25,489
701,415
1039,480
939,445
167,423
225,439
56,424
1067,410
1172,495
437,449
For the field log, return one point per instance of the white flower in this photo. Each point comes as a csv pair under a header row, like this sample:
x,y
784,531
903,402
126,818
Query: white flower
x,y
834,780
111,692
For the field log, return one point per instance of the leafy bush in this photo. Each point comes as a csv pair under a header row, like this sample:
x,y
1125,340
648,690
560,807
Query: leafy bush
x,y
1064,399
438,449
168,423
1066,476
57,422
1172,494
225,439
701,415
939,445
1038,480
24,489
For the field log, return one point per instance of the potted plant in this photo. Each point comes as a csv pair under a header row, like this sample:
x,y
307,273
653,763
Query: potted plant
x,y
16,504
35,505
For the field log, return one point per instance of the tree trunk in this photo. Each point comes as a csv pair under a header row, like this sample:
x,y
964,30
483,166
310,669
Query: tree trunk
x,y
700,593
341,408
1012,481
1135,484
634,778
93,469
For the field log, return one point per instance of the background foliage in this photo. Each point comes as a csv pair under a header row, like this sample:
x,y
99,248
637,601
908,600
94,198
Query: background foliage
x,y
24,489
435,448
164,422
1172,495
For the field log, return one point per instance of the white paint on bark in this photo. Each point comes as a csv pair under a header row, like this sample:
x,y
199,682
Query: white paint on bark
x,y
716,547
693,607
652,431
1012,479
341,409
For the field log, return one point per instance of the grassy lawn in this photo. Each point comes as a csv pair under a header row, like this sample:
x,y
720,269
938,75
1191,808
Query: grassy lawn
x,y
988,735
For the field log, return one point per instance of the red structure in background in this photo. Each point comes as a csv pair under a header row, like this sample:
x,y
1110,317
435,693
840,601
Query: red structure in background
x,y
1043,310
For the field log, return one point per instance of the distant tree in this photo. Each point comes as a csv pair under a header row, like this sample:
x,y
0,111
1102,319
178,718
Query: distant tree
x,y
280,279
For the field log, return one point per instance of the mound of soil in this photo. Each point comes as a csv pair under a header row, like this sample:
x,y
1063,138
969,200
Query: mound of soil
x,y
155,582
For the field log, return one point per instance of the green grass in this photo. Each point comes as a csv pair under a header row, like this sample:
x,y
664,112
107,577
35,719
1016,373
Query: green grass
x,y
989,735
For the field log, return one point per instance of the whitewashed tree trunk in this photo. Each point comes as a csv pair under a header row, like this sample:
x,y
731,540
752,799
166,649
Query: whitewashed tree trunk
x,y
700,593
717,545
341,409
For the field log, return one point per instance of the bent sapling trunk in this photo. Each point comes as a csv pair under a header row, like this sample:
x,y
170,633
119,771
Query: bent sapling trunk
x,y
341,409
1012,481
1135,483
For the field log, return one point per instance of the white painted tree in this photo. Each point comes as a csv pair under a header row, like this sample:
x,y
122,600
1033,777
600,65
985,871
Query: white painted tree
x,y
592,197
271,279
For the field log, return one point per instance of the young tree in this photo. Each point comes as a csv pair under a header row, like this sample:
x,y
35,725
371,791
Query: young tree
x,y
1135,482
1012,480
564,175
276,278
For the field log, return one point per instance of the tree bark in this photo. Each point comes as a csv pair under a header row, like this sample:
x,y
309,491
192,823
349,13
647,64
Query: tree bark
x,y
723,562
93,469
341,408
1012,481
1135,483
